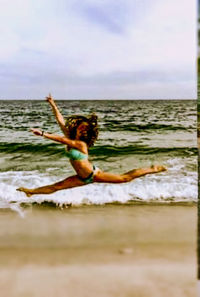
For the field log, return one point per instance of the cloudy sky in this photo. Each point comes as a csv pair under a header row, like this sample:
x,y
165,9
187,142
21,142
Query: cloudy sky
x,y
98,49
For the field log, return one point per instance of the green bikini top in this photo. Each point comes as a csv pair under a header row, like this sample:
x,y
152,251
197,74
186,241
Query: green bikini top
x,y
76,155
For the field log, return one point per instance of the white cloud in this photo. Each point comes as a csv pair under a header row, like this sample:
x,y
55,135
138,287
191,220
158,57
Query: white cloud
x,y
58,44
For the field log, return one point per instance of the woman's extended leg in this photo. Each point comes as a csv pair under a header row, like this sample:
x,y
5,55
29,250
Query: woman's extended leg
x,y
105,177
70,182
100,176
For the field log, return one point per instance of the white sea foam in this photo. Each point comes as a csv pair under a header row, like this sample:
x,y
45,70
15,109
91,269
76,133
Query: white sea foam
x,y
163,187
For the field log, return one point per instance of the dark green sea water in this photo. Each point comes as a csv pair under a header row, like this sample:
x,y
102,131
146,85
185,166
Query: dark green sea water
x,y
132,134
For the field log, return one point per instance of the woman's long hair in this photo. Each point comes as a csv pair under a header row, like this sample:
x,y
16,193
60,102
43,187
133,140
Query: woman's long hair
x,y
92,132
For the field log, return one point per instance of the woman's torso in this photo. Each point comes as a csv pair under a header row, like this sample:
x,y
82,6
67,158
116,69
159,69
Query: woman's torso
x,y
79,162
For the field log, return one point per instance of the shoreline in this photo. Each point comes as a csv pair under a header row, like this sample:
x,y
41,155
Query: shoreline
x,y
60,206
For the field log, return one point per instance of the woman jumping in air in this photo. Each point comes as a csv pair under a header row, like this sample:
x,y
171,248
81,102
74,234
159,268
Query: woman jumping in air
x,y
80,133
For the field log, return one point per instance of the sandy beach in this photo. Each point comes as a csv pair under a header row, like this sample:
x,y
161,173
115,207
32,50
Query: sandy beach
x,y
112,250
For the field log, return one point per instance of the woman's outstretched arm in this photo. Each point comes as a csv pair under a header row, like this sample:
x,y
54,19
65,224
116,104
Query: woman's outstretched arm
x,y
80,145
59,118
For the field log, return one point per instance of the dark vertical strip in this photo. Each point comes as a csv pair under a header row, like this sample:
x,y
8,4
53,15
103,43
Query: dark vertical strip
x,y
198,140
198,209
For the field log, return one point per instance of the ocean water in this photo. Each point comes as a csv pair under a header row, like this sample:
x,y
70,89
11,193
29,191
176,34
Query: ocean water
x,y
133,134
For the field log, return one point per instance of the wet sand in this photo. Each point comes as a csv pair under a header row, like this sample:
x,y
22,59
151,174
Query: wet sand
x,y
113,250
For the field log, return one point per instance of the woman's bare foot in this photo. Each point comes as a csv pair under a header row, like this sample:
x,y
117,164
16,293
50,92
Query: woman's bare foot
x,y
158,168
26,191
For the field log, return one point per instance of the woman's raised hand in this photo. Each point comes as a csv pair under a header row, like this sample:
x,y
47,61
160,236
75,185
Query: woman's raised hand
x,y
50,99
37,131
